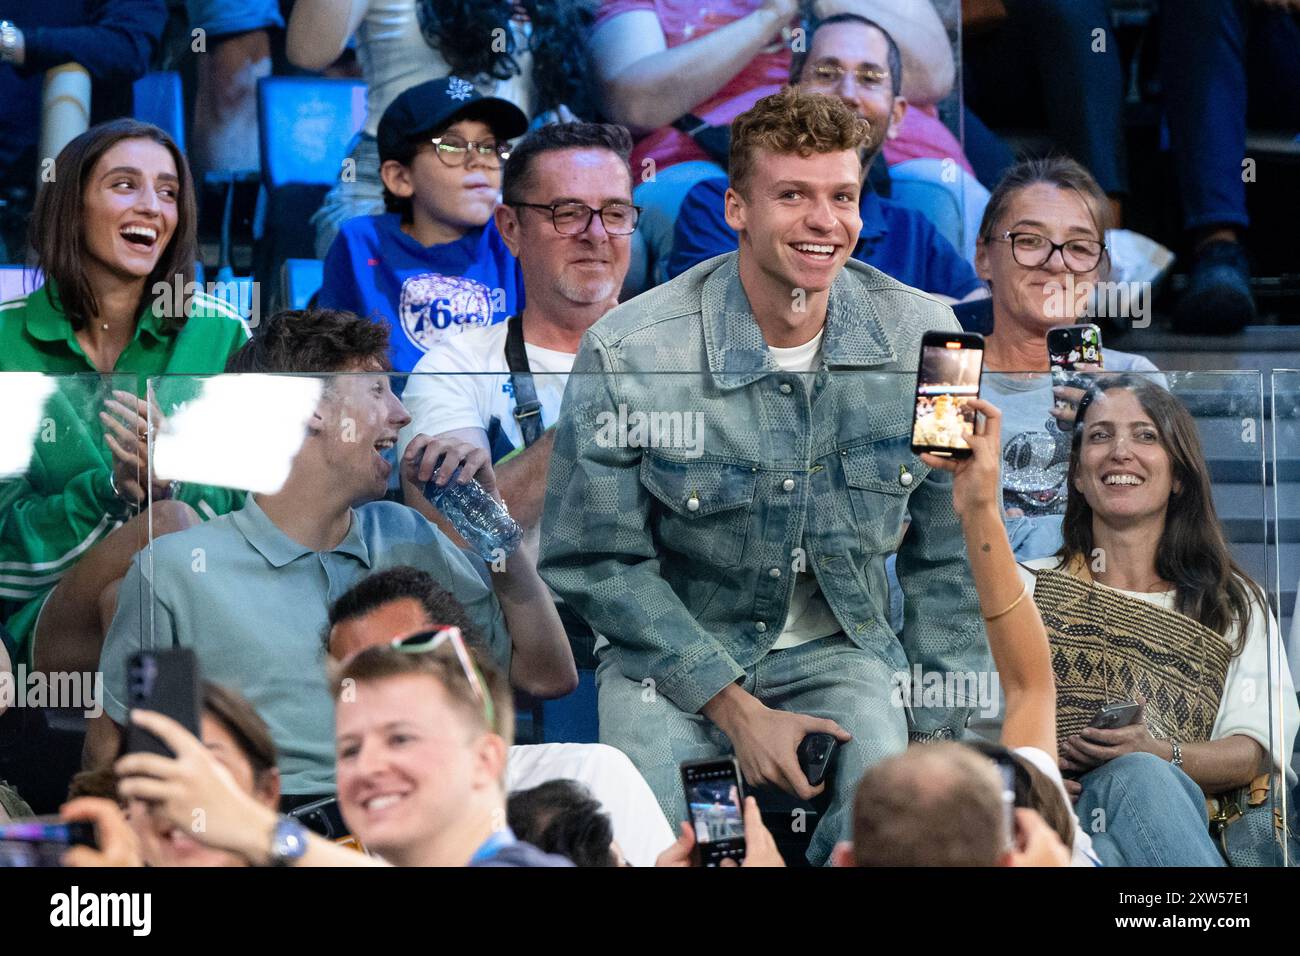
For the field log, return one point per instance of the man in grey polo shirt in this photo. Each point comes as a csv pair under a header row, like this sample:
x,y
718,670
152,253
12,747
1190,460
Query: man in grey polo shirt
x,y
250,591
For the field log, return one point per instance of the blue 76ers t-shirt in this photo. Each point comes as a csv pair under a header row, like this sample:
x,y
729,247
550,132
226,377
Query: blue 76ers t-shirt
x,y
425,294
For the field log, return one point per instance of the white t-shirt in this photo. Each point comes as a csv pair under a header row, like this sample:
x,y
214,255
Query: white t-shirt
x,y
1081,853
640,827
809,617
1244,707
394,57
451,386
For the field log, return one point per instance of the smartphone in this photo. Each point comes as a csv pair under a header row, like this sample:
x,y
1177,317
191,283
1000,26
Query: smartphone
x,y
1114,716
40,841
1069,346
947,378
166,681
323,817
715,803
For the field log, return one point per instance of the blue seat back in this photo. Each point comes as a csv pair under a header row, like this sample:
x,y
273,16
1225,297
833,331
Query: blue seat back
x,y
302,280
159,100
305,125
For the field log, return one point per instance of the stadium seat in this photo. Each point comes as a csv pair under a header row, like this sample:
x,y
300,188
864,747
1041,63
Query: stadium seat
x,y
300,279
159,100
305,126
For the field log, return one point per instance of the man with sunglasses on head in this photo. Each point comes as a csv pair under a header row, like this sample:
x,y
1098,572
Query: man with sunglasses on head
x,y
568,215
433,265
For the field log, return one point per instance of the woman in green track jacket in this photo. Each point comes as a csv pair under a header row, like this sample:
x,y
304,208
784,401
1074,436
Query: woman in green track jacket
x,y
114,236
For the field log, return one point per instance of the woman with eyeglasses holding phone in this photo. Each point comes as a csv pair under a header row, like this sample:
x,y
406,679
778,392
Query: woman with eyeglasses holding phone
x,y
1042,250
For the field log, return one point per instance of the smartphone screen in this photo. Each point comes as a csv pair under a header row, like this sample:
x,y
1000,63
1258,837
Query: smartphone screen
x,y
165,681
947,378
714,802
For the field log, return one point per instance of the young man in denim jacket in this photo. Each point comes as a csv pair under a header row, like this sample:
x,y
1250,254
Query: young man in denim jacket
x,y
724,524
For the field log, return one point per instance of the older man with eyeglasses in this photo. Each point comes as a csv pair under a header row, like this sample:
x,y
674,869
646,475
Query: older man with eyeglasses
x,y
568,216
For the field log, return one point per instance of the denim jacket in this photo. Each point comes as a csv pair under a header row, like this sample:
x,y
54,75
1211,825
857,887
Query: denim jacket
x,y
683,553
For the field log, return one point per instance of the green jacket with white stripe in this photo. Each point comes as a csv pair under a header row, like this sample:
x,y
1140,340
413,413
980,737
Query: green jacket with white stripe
x,y
56,502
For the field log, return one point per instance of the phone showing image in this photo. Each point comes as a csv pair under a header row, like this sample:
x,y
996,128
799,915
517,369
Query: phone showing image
x,y
715,804
947,378
165,681
1114,716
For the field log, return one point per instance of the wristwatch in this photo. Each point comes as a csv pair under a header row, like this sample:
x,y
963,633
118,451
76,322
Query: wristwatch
x,y
11,43
1177,758
288,842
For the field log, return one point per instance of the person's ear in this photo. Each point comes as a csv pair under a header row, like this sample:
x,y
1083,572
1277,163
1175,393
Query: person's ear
x,y
982,266
490,761
267,790
896,116
842,855
397,178
508,226
733,209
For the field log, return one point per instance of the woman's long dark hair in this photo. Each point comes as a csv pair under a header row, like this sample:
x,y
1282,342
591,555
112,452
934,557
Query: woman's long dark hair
x,y
1210,587
57,236
462,33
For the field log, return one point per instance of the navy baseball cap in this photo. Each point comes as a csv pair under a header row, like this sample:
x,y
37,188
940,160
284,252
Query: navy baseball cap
x,y
438,103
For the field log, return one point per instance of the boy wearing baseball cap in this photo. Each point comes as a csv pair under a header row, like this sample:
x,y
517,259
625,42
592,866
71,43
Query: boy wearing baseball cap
x,y
434,264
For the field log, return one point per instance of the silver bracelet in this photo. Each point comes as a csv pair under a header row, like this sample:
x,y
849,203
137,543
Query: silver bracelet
x,y
117,493
1177,758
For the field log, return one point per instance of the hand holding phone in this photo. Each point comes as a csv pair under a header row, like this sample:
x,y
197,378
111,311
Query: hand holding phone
x,y
977,478
1113,716
816,755
1073,352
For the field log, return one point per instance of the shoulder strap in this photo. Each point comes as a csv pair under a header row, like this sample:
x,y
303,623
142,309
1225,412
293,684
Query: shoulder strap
x,y
528,410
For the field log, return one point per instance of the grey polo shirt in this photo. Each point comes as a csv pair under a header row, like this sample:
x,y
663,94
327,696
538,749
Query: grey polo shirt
x,y
253,604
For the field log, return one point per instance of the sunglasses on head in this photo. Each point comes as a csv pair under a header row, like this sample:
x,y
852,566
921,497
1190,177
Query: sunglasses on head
x,y
440,636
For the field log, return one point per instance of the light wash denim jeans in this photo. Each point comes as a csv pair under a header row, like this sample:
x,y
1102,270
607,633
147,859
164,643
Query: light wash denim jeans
x,y
364,196
1144,811
830,677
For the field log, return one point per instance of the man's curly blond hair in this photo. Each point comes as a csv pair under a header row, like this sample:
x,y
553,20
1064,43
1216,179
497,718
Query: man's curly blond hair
x,y
792,121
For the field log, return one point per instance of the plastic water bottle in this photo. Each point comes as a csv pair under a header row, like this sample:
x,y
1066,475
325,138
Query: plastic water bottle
x,y
479,518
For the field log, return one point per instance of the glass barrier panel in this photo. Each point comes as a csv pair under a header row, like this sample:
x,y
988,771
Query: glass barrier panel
x,y
710,517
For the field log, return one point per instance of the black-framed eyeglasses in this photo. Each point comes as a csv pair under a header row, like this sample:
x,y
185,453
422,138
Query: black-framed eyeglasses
x,y
1032,251
454,150
574,218
430,641
829,75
